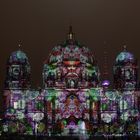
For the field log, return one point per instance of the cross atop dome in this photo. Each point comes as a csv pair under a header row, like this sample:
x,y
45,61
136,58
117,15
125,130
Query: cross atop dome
x,y
70,34
124,47
19,44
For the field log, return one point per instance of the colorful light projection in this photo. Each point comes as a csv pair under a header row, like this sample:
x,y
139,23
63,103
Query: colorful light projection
x,y
125,71
18,71
63,110
70,66
72,100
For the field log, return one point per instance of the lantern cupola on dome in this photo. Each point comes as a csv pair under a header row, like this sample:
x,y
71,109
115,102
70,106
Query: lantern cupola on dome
x,y
70,34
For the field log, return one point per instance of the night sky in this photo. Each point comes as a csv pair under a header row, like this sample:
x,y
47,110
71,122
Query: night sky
x,y
41,24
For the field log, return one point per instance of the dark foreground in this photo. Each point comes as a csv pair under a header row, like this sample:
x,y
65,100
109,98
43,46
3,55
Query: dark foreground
x,y
19,137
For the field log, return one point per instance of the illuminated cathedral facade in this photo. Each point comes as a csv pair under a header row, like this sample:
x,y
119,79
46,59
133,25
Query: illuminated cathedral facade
x,y
73,99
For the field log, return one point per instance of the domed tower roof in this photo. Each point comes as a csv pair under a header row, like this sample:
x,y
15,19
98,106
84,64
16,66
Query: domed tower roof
x,y
125,56
18,57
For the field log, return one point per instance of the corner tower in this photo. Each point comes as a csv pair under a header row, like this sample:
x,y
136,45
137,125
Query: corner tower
x,y
18,71
125,71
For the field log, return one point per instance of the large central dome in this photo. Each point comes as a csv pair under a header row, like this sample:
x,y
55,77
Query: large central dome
x,y
71,50
71,60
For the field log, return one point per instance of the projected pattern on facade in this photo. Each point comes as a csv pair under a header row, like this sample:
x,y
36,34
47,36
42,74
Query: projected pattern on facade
x,y
72,99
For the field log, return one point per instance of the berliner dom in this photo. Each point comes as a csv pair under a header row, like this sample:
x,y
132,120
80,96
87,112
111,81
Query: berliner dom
x,y
73,99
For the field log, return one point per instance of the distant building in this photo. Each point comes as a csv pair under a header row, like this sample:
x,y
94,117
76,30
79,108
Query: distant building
x,y
73,99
